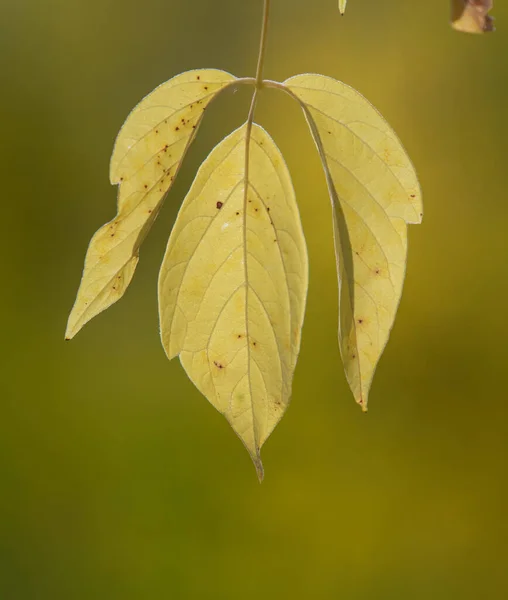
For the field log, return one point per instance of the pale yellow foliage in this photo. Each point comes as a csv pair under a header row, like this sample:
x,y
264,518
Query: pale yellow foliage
x,y
233,284
147,155
374,192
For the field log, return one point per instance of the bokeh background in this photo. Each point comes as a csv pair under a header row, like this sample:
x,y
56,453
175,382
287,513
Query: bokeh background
x,y
118,480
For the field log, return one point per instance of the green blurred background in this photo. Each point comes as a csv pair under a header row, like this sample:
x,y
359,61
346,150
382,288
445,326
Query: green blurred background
x,y
118,480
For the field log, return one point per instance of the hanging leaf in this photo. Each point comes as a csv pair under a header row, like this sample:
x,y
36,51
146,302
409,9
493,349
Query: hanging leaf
x,y
471,16
233,282
147,156
233,285
374,193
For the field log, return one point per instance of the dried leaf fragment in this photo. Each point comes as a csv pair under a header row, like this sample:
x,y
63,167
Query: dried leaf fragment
x,y
471,16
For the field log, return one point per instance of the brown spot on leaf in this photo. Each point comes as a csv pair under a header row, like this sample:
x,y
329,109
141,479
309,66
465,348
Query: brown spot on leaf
x,y
219,205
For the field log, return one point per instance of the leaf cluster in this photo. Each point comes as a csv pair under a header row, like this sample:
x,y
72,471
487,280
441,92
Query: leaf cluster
x,y
233,281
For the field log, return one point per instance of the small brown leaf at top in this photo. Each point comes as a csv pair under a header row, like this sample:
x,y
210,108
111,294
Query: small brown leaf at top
x,y
471,16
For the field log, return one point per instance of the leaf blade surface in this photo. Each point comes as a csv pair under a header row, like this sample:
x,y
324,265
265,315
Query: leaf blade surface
x,y
375,193
147,155
233,283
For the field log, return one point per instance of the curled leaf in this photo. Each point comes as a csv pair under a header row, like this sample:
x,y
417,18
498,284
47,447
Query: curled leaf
x,y
374,193
471,16
147,156
233,284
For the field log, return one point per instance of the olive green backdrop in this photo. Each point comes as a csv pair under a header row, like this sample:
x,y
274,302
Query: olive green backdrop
x,y
118,480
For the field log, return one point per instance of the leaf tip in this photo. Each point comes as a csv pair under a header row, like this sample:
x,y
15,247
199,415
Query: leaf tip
x,y
259,467
71,331
363,405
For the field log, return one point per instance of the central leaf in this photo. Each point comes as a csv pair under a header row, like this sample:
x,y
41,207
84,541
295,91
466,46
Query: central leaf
x,y
233,284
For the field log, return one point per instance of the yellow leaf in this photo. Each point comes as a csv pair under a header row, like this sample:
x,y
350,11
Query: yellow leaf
x,y
374,192
233,284
342,6
147,155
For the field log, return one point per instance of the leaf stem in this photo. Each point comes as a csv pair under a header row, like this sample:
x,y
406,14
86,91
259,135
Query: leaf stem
x,y
258,84
262,44
261,61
